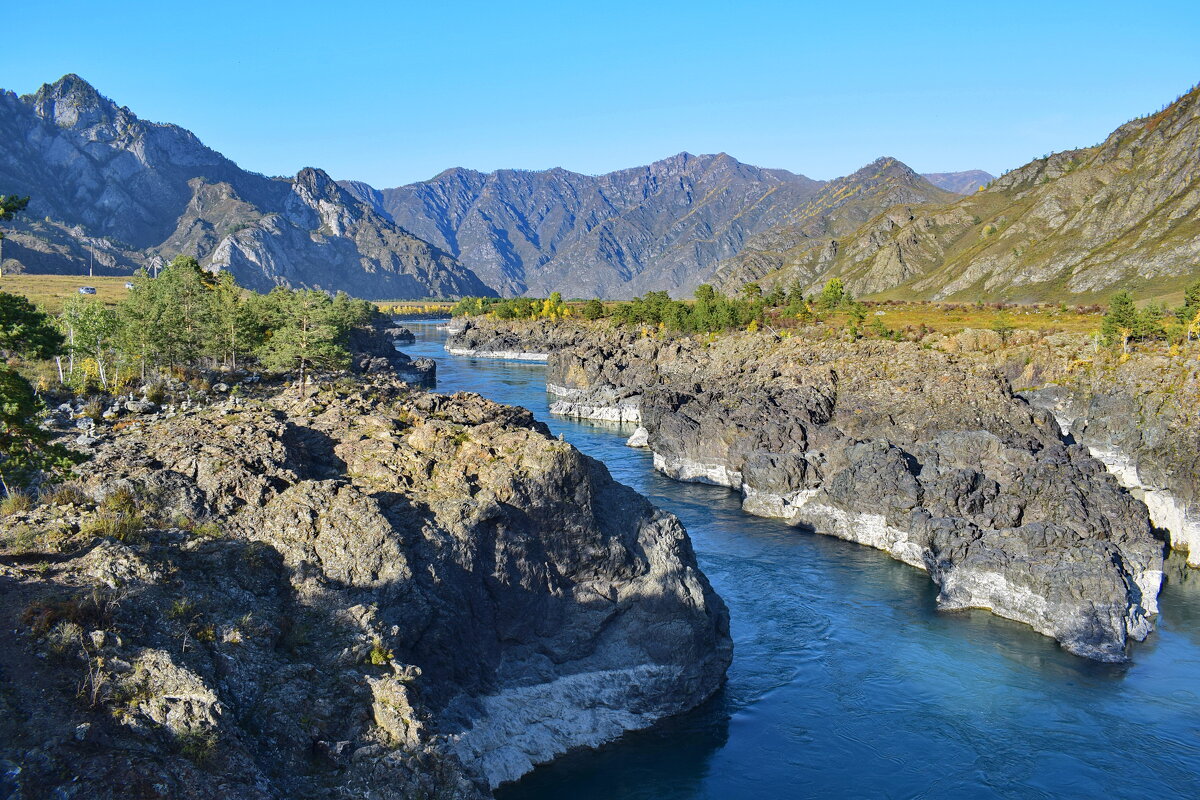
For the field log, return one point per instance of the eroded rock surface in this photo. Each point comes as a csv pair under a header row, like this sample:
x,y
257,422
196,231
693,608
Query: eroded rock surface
x,y
925,454
371,592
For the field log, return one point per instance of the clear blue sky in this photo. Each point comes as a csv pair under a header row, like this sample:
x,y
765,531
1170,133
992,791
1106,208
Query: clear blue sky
x,y
395,92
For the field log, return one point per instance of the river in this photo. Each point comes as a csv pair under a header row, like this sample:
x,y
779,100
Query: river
x,y
846,680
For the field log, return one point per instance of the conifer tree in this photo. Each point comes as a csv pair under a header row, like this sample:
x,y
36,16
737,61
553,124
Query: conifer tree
x,y
1120,320
24,330
308,336
10,206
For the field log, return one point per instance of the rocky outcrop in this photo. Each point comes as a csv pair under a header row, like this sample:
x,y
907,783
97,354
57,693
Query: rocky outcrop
x,y
340,592
926,455
373,348
113,192
517,340
1141,418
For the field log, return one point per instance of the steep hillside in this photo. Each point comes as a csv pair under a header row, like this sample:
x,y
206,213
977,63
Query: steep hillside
x,y
839,208
959,182
662,226
116,192
1070,226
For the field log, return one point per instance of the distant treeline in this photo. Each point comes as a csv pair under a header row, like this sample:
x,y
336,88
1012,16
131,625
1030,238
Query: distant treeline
x,y
752,308
710,312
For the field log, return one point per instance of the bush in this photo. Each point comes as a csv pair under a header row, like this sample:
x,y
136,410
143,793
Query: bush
x,y
124,526
66,495
17,502
198,746
88,610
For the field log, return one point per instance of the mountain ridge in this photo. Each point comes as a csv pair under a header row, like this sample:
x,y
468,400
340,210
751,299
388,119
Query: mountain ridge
x,y
1072,226
111,189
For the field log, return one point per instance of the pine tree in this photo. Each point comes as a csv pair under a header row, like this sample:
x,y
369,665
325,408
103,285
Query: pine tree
x,y
140,334
308,336
26,450
24,330
833,295
1120,320
593,309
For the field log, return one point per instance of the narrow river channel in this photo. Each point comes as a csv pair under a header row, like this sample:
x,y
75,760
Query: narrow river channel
x,y
846,680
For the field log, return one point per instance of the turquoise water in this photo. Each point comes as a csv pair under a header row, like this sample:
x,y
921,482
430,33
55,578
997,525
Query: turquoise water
x,y
846,680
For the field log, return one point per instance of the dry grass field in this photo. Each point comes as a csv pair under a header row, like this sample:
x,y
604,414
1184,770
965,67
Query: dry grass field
x,y
51,291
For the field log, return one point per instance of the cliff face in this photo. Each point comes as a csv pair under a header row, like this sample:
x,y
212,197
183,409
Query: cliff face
x,y
341,591
924,454
115,192
662,226
1073,225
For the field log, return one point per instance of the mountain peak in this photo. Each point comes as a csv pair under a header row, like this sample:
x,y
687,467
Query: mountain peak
x,y
71,102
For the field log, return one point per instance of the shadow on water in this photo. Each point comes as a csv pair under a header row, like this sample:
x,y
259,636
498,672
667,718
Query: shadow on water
x,y
847,680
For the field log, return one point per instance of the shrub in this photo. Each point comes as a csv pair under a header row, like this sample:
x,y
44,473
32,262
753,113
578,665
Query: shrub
x,y
66,495
182,609
198,746
17,502
380,656
120,525
88,610
93,410
121,500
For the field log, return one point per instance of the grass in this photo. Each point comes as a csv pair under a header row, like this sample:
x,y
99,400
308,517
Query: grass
x,y
954,317
51,291
17,502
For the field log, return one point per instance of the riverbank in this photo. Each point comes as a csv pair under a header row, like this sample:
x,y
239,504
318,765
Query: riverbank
x,y
828,434
363,585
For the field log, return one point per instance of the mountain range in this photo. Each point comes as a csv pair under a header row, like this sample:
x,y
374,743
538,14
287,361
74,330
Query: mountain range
x,y
1076,225
665,226
115,192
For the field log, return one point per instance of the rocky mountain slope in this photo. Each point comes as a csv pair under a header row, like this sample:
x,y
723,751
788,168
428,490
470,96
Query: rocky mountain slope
x,y
661,226
362,590
984,493
839,208
959,182
1070,226
116,192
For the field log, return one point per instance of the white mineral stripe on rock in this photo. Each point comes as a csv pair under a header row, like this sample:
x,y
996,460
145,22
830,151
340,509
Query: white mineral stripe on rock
x,y
860,527
566,408
683,469
1166,511
530,725
770,504
506,355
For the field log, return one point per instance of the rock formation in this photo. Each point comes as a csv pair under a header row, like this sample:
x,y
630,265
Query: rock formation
x,y
927,455
361,590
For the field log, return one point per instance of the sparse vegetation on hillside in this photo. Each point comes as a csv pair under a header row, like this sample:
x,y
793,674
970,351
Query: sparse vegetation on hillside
x,y
186,319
